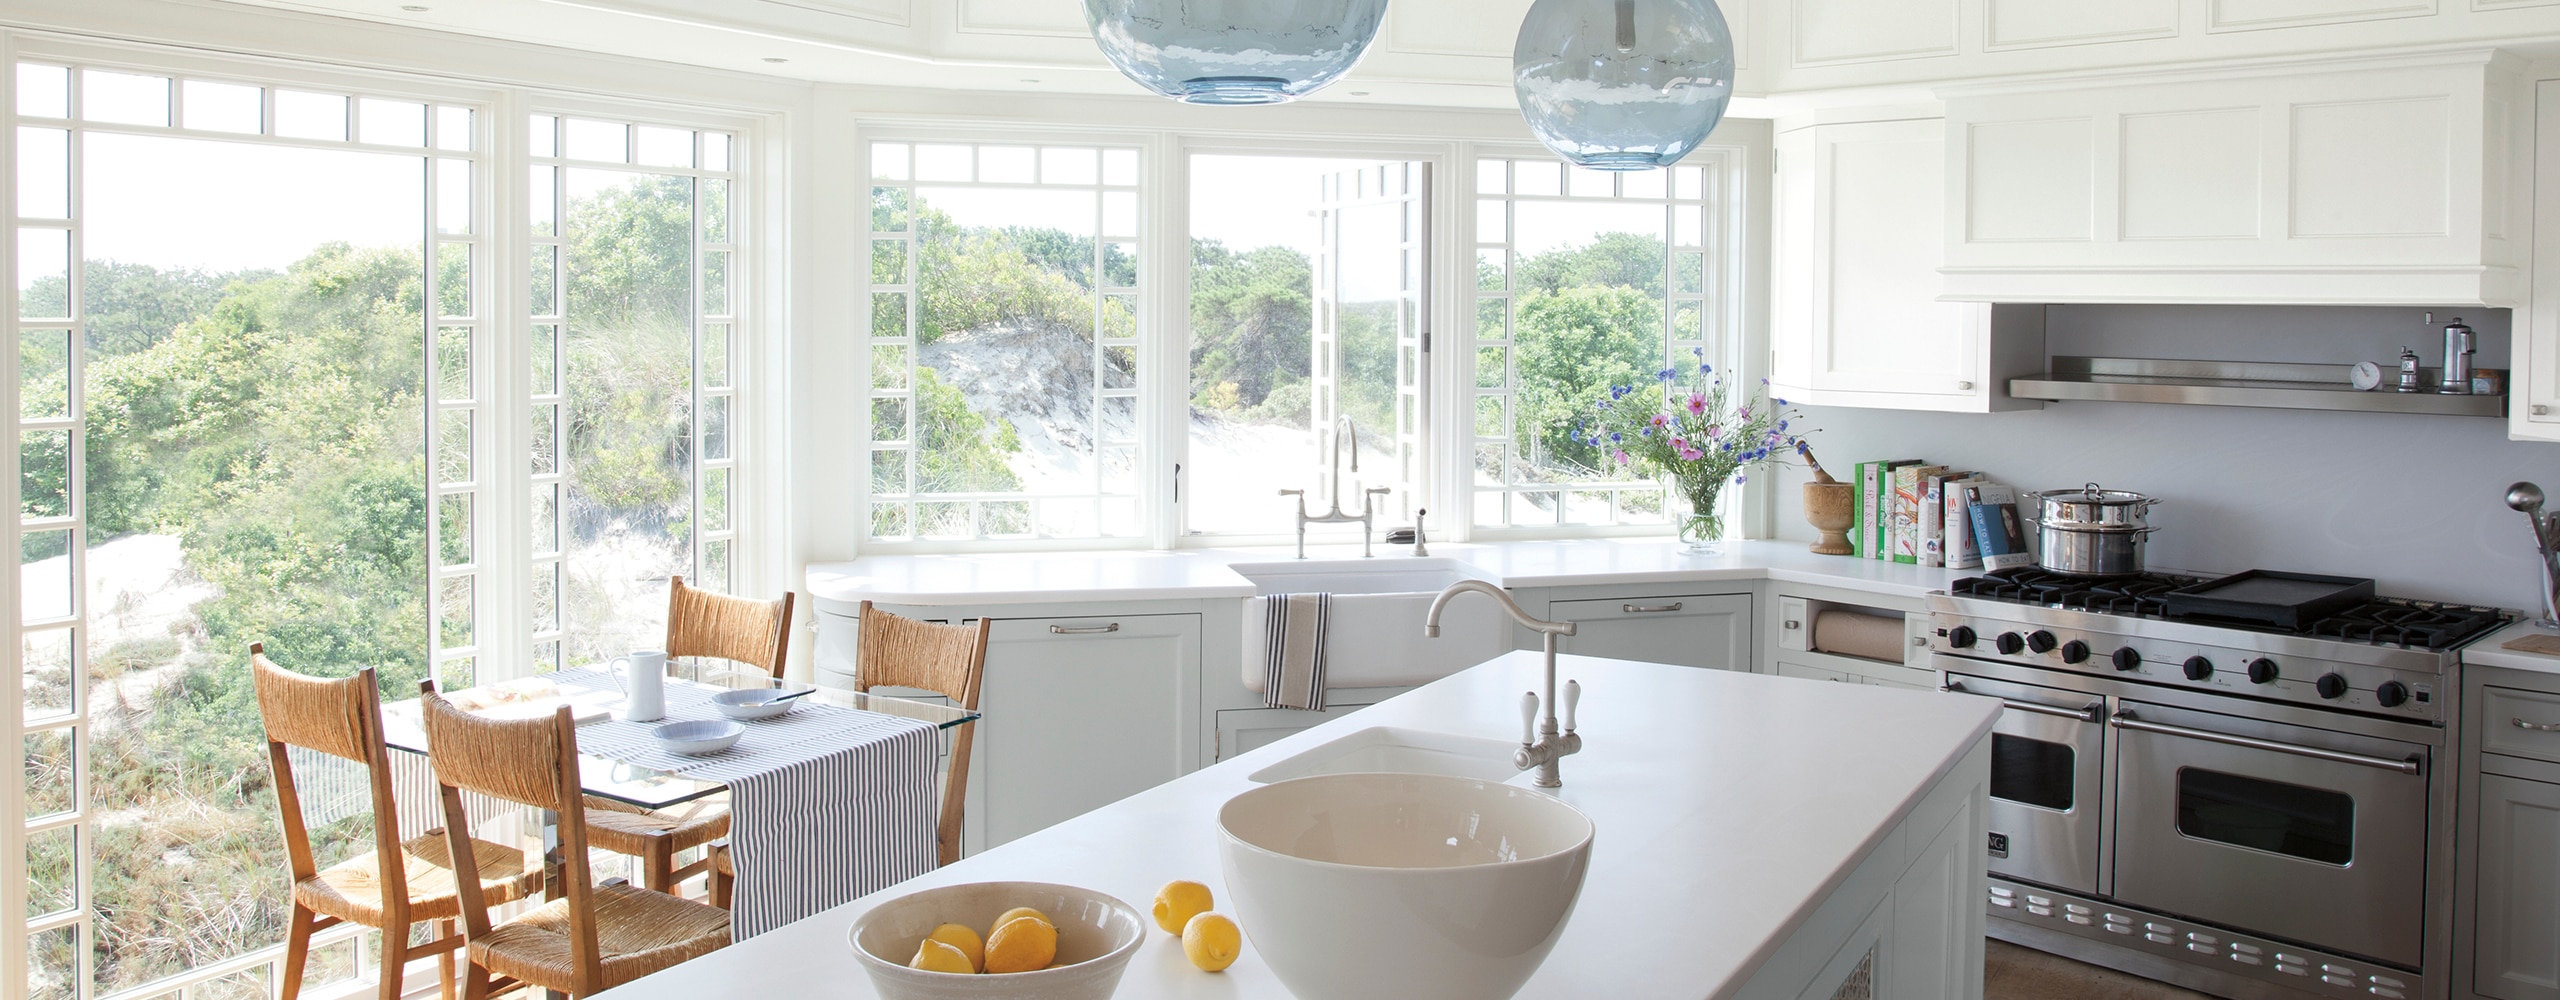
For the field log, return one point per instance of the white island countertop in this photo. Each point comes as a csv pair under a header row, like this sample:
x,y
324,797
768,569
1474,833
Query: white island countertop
x,y
1728,807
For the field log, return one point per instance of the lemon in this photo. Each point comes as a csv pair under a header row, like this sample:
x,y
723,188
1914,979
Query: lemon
x,y
1211,941
939,956
961,937
1177,901
1022,944
1020,911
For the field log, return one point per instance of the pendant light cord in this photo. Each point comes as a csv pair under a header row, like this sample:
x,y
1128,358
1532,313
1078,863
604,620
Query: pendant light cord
x,y
1626,25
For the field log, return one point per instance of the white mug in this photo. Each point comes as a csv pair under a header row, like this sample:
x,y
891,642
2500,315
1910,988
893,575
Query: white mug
x,y
644,696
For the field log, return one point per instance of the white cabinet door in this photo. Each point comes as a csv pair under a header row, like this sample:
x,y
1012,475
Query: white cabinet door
x,y
2517,946
1696,630
1079,713
2534,408
1242,729
1857,321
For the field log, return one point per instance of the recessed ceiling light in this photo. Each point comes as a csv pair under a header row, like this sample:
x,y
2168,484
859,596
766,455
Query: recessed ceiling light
x,y
776,59
1030,79
1359,93
414,8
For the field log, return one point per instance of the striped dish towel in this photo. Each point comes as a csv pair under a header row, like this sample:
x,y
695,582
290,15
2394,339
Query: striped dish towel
x,y
1293,650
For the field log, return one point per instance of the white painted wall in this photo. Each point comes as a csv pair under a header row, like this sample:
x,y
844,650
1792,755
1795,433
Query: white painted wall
x,y
2416,502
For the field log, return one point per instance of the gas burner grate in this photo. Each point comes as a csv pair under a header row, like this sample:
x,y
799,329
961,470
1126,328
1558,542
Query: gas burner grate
x,y
2138,596
2390,621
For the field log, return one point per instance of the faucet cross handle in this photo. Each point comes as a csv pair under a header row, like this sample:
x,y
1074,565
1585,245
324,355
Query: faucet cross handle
x,y
1528,718
1572,697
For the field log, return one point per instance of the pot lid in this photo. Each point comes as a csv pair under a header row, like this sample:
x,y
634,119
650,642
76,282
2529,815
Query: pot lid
x,y
2094,494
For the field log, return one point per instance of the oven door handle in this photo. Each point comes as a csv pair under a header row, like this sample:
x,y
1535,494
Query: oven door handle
x,y
2088,714
2125,720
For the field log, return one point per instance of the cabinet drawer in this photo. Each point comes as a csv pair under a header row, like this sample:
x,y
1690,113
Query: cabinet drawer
x,y
1692,630
2508,717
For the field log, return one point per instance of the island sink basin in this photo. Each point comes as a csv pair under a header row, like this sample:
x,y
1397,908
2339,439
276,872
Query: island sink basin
x,y
1393,749
1376,625
1410,886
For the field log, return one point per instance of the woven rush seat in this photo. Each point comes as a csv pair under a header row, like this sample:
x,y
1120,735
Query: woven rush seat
x,y
637,932
352,889
624,828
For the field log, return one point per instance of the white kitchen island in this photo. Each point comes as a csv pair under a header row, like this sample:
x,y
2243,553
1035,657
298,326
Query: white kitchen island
x,y
1758,836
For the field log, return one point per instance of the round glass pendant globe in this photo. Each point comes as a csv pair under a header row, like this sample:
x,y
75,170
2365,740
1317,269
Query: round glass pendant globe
x,y
1234,51
1623,84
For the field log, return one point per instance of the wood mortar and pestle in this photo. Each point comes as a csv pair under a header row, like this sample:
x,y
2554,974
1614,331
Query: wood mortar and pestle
x,y
1828,507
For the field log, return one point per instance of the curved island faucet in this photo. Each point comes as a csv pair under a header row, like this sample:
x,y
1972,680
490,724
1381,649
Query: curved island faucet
x,y
1547,745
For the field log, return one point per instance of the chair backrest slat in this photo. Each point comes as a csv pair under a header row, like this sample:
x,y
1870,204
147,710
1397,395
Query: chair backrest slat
x,y
340,717
531,762
949,660
702,623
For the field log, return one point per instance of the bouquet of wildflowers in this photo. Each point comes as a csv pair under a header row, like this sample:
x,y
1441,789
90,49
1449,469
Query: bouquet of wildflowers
x,y
1689,428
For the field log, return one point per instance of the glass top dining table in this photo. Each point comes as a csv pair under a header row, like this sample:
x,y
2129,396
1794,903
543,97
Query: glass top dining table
x,y
622,781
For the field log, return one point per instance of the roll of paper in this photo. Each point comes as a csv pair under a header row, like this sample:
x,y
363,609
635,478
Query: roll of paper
x,y
1848,633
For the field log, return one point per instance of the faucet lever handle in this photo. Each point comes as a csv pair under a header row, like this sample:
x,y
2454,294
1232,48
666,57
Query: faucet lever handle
x,y
1528,718
1572,697
1293,493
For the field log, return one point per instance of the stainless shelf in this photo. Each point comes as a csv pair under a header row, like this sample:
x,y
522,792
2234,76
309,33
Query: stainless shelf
x,y
2244,383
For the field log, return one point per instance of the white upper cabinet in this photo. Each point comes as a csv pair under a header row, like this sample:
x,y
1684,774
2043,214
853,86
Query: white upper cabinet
x,y
2534,413
1856,319
2375,181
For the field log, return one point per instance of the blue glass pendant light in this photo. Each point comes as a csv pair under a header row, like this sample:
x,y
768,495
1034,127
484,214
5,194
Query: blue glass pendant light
x,y
1623,84
1234,51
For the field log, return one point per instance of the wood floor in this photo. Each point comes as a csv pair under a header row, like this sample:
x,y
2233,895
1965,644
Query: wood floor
x,y
2014,973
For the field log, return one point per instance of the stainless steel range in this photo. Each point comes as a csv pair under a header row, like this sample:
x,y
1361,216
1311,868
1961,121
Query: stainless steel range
x,y
2250,810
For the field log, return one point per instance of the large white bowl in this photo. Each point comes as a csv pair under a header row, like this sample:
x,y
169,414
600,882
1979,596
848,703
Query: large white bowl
x,y
1096,936
1402,885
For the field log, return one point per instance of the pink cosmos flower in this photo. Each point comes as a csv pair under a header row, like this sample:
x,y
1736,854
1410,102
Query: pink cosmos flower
x,y
1623,458
1715,430
1661,420
1697,404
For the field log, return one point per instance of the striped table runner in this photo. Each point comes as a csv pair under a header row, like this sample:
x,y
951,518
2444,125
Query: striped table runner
x,y
826,804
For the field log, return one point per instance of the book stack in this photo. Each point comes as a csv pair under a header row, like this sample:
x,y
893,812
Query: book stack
x,y
1910,511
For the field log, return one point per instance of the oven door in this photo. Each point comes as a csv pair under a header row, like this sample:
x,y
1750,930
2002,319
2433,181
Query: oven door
x,y
2047,802
2306,834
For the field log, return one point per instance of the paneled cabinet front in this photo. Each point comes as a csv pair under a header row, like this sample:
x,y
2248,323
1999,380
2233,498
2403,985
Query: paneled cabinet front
x,y
2517,952
1856,320
1079,713
1695,630
2372,181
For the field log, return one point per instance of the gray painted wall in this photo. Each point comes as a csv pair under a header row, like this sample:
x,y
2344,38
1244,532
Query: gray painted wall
x,y
2416,502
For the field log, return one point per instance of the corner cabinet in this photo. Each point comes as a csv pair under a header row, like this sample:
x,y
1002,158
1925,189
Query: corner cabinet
x,y
2534,411
1856,319
2387,180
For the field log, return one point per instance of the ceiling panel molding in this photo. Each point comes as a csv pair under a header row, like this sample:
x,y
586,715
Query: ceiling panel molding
x,y
2037,24
1829,32
841,22
1482,28
2253,15
1037,18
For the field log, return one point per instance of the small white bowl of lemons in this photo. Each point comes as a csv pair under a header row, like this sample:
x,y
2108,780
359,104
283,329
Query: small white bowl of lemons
x,y
998,941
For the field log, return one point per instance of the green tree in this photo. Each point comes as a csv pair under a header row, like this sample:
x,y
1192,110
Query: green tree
x,y
1252,319
1629,260
1571,346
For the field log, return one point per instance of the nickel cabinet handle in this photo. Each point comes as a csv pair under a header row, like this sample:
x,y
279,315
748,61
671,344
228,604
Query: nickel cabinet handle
x,y
1083,629
2540,410
2539,727
1965,386
1648,609
2123,721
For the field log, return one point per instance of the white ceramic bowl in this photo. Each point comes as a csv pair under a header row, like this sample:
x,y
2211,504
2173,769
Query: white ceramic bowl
x,y
1402,885
1096,936
750,704
699,736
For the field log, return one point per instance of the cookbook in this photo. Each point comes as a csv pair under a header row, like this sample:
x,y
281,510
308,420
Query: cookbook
x,y
1998,534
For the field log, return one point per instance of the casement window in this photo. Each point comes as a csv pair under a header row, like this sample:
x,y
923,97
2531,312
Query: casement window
x,y
286,372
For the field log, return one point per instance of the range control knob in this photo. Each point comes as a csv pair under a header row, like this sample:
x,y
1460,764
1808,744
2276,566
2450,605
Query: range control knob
x,y
2331,686
2392,694
2040,640
1960,637
2262,671
2199,668
2009,643
2075,651
2126,658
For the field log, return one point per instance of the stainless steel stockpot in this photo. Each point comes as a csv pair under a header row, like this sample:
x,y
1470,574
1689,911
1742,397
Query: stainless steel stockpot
x,y
2091,531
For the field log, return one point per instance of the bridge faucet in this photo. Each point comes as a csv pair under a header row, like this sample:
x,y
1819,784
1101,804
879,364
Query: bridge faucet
x,y
1549,745
1342,428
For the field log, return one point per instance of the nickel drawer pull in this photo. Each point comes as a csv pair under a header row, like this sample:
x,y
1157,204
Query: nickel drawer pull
x,y
2088,715
1084,629
2125,721
1648,609
2539,727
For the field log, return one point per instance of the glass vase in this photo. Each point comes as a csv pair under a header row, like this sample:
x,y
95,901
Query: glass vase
x,y
1234,51
1623,84
1701,527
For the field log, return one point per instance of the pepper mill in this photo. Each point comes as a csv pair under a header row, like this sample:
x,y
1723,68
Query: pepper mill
x,y
2408,371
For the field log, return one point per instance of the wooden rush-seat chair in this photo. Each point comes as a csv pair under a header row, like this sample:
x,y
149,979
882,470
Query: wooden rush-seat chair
x,y
699,623
592,938
397,884
897,651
